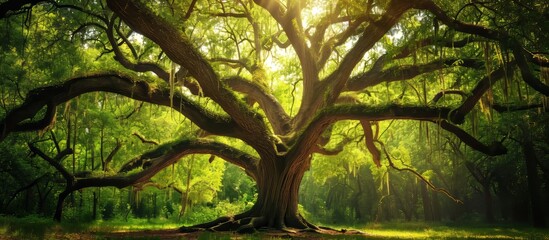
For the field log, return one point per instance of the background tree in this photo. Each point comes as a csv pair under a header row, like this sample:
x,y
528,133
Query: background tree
x,y
268,83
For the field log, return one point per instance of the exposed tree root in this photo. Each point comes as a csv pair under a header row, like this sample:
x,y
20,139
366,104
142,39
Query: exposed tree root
x,y
245,224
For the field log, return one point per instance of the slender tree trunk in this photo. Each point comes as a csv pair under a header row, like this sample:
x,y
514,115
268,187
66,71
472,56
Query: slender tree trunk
x,y
94,208
60,200
534,185
427,208
154,205
435,206
488,203
185,196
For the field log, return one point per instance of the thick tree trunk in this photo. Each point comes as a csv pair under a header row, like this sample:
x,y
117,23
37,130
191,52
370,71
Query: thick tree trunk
x,y
277,202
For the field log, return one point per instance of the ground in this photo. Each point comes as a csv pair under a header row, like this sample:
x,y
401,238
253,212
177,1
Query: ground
x,y
37,228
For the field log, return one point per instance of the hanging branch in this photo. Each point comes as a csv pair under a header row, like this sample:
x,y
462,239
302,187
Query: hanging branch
x,y
418,175
369,139
335,150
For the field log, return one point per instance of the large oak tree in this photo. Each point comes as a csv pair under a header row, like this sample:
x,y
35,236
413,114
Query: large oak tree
x,y
334,56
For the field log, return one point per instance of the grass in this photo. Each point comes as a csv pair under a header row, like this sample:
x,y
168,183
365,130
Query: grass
x,y
422,230
40,228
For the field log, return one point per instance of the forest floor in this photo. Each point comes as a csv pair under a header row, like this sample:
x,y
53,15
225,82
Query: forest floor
x,y
39,228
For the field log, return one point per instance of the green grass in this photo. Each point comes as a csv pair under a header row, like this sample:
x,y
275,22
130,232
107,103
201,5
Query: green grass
x,y
421,230
39,228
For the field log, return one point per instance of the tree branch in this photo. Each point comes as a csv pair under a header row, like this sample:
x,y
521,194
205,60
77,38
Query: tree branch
x,y
376,76
336,81
143,140
278,118
15,5
482,31
125,62
458,115
443,93
494,149
369,141
187,146
56,161
302,145
418,175
114,83
110,157
290,22
527,74
180,50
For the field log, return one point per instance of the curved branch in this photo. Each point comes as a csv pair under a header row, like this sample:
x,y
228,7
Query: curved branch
x,y
278,118
332,151
303,145
443,93
369,140
124,61
168,153
418,175
500,108
376,76
157,160
43,123
527,74
143,140
458,115
537,59
494,149
114,83
441,16
234,63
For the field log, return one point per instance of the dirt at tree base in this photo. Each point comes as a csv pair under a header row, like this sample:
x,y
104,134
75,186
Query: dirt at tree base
x,y
262,234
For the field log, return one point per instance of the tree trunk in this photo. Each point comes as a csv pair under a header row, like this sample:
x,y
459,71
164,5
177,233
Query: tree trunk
x,y
185,196
427,210
276,205
94,208
534,185
278,196
488,203
60,200
435,203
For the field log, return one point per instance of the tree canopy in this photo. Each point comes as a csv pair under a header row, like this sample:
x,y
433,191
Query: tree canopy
x,y
267,86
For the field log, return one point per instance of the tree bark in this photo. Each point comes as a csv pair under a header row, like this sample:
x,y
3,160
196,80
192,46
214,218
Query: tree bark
x,y
488,203
534,185
426,199
94,207
277,202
